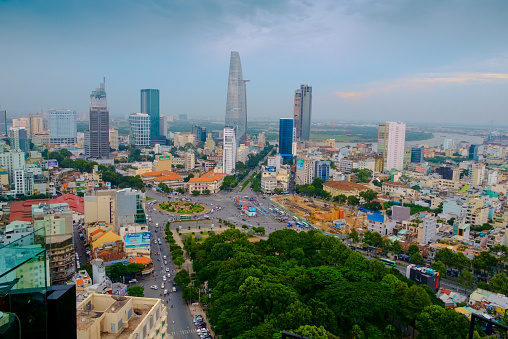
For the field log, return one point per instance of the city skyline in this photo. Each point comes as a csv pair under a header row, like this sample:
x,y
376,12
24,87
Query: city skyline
x,y
408,61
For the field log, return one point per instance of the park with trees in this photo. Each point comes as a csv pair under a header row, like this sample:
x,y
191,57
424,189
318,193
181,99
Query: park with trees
x,y
314,285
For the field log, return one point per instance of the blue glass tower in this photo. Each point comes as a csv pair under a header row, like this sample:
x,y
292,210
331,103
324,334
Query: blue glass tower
x,y
286,138
150,106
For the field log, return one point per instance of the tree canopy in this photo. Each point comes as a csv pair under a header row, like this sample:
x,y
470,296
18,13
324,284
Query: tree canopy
x,y
305,282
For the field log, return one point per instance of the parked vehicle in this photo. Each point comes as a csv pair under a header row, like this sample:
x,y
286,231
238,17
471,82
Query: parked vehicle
x,y
154,287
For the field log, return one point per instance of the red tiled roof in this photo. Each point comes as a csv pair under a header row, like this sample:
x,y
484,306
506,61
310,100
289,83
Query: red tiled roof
x,y
22,210
140,260
111,256
208,177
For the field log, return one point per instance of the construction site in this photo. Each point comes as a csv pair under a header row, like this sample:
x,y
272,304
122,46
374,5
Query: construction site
x,y
327,216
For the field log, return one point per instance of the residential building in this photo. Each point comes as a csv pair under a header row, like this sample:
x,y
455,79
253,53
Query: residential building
x,y
150,106
162,163
330,143
303,112
272,178
140,130
417,154
189,161
113,139
343,187
36,124
106,316
476,174
275,161
236,105
286,138
445,172
3,122
163,126
427,230
390,145
242,153
322,169
423,275
97,137
11,161
21,122
62,127
397,188
378,222
210,182
229,151
18,137
304,171
448,144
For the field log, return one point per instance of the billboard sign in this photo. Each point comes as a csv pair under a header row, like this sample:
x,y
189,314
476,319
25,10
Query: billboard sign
x,y
299,164
52,163
271,169
164,157
137,240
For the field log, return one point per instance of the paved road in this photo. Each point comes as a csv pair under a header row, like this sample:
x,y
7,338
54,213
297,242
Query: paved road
x,y
179,318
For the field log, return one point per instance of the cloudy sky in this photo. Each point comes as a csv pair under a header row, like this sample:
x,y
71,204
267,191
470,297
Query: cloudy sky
x,y
370,60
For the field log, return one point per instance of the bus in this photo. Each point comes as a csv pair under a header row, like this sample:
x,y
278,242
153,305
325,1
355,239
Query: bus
x,y
388,262
185,217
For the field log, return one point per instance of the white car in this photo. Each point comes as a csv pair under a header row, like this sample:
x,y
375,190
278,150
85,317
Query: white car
x,y
167,269
162,285
164,277
174,289
154,287
169,275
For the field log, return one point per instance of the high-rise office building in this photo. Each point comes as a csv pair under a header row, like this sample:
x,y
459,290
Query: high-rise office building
x,y
473,152
140,129
417,154
3,122
163,126
62,126
322,169
286,138
150,106
303,112
98,133
236,105
448,144
199,132
18,137
390,144
229,151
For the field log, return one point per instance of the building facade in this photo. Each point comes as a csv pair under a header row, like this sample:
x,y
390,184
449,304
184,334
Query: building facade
x,y
229,151
417,154
303,112
236,105
286,138
36,124
62,126
304,171
150,106
3,122
18,137
139,129
113,139
97,138
390,145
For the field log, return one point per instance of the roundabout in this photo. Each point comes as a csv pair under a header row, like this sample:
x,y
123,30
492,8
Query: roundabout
x,y
181,207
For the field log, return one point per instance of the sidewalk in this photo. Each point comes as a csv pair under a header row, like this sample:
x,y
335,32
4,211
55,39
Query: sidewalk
x,y
198,310
188,263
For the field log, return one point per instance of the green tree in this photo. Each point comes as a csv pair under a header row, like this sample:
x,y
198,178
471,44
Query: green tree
x,y
466,280
484,262
136,291
195,192
206,192
368,195
396,247
318,183
364,175
179,261
412,249
445,255
352,200
182,278
180,190
460,261
353,235
439,266
310,331
435,322
376,239
417,259
414,301
341,198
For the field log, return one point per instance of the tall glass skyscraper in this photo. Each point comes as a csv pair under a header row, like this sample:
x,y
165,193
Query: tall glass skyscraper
x,y
286,138
3,122
236,105
150,106
140,129
302,112
97,136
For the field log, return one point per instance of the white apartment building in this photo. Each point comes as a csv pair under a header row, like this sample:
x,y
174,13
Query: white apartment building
x,y
229,151
113,138
476,174
390,145
11,161
189,161
427,230
275,161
